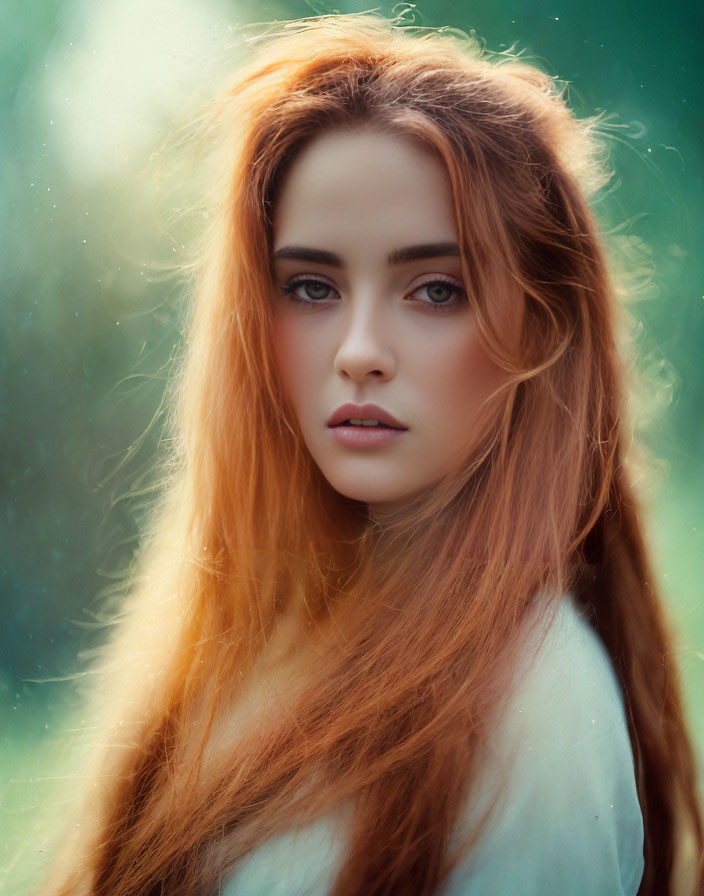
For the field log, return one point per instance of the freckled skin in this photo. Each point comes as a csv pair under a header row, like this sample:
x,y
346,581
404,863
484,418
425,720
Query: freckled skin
x,y
367,331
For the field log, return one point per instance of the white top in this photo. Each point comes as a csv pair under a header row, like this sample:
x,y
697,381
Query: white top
x,y
569,821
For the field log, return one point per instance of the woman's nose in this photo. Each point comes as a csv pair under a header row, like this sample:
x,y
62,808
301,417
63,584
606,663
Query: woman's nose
x,y
365,350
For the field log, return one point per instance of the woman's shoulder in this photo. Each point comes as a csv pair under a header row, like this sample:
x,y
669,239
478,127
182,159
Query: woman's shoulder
x,y
565,694
567,817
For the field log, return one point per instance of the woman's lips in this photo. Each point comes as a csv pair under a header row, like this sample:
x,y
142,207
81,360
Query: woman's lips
x,y
365,436
351,411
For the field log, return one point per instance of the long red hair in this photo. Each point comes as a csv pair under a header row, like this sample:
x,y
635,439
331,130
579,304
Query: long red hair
x,y
382,647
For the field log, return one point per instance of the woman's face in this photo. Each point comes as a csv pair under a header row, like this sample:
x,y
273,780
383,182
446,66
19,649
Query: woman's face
x,y
370,310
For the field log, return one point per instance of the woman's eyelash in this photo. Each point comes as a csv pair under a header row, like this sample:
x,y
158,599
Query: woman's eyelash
x,y
458,294
291,286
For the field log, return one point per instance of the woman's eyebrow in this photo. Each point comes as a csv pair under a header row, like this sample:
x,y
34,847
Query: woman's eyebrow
x,y
398,256
423,251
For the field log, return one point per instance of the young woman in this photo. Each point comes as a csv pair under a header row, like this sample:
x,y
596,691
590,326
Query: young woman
x,y
394,628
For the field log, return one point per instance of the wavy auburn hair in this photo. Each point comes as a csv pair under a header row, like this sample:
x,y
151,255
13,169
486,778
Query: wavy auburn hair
x,y
281,653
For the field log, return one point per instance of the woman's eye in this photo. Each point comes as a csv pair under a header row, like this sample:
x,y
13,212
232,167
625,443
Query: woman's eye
x,y
309,290
435,293
440,293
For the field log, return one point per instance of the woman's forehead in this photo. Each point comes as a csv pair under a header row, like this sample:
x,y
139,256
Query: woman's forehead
x,y
364,186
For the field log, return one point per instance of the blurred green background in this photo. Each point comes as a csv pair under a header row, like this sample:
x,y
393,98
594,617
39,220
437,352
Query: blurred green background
x,y
93,221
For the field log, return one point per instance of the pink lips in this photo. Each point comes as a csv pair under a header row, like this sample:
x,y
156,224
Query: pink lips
x,y
356,436
364,412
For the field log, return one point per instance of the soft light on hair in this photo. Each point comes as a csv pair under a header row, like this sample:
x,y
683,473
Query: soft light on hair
x,y
382,645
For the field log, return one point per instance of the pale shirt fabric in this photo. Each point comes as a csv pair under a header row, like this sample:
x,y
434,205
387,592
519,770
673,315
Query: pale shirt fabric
x,y
569,822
